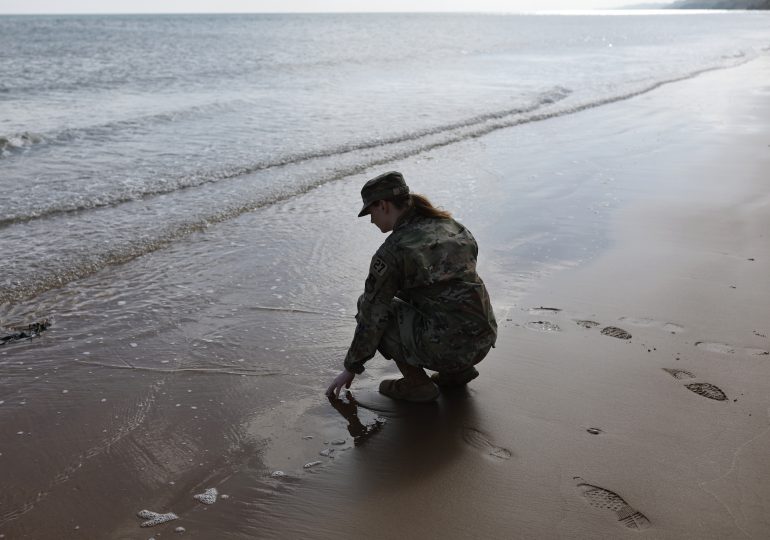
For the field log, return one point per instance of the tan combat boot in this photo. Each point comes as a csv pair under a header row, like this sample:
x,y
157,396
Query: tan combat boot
x,y
456,378
409,390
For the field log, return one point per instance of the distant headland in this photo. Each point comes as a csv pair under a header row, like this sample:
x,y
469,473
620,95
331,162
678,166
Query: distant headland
x,y
705,4
721,4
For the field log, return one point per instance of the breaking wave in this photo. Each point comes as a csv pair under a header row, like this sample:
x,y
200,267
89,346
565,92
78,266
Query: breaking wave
x,y
171,185
11,144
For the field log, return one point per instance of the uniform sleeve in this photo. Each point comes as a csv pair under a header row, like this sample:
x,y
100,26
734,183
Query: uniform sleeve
x,y
373,309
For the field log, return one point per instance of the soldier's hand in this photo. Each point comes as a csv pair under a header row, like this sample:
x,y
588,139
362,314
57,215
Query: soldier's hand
x,y
343,379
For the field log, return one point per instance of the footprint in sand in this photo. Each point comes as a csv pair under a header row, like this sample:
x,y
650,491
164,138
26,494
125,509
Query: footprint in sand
x,y
707,390
544,310
543,326
649,323
587,324
639,321
482,442
673,328
679,373
616,332
603,498
724,348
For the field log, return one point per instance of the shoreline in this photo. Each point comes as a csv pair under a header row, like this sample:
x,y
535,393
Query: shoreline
x,y
640,231
561,419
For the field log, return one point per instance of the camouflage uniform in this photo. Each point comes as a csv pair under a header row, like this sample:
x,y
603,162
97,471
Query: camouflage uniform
x,y
423,303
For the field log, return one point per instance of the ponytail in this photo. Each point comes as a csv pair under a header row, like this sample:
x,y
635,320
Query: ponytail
x,y
421,205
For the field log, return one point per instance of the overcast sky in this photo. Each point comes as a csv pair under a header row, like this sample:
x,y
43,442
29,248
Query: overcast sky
x,y
241,6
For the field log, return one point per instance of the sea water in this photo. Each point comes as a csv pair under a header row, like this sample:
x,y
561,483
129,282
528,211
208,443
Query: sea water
x,y
122,135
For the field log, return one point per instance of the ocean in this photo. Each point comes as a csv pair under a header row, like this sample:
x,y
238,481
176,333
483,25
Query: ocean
x,y
121,135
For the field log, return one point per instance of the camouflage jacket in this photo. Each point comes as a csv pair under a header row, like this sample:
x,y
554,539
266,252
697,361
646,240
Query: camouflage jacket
x,y
430,264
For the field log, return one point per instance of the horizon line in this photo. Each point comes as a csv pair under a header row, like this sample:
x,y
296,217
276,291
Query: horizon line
x,y
583,11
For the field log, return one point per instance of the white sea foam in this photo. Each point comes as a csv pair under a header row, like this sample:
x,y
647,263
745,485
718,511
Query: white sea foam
x,y
155,518
207,497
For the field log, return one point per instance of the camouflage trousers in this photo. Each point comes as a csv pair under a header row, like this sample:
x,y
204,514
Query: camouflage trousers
x,y
395,345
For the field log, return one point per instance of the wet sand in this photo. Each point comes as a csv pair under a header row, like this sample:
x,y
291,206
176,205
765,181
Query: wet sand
x,y
649,216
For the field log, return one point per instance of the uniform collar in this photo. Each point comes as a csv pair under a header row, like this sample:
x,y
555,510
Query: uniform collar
x,y
405,218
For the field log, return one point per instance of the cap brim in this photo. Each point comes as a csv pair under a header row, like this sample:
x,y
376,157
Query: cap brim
x,y
364,211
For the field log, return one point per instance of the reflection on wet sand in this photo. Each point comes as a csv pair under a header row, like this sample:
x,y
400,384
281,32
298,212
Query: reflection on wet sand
x,y
349,411
402,452
419,440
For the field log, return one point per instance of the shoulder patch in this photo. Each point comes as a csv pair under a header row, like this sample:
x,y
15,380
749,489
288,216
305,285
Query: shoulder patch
x,y
379,266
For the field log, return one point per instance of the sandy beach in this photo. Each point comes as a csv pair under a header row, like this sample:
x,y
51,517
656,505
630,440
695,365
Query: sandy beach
x,y
573,433
627,395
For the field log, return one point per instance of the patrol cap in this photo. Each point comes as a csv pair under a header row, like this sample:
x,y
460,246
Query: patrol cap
x,y
385,186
